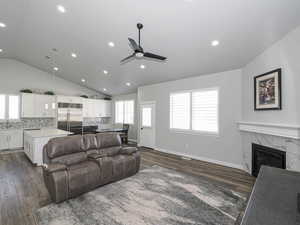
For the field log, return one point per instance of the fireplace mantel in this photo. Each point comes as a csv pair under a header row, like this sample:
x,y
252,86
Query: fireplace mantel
x,y
281,130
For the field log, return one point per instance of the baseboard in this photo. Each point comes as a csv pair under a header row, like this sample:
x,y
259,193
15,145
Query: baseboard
x,y
222,163
132,140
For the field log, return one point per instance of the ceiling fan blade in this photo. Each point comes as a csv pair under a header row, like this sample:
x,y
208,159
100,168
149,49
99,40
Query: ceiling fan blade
x,y
134,45
129,57
153,56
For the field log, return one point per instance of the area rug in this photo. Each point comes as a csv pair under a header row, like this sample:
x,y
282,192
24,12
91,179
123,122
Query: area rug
x,y
155,196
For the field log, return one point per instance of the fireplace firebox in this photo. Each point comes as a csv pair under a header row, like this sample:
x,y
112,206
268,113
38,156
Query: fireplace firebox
x,y
262,155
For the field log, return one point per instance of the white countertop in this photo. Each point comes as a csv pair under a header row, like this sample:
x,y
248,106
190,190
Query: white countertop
x,y
47,132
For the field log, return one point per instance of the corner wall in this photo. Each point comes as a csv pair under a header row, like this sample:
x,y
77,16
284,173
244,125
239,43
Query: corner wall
x,y
284,54
223,149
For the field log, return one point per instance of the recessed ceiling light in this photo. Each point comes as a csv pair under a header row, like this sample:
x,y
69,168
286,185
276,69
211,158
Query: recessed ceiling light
x,y
215,43
104,89
111,44
1,50
61,9
128,84
105,71
2,25
74,55
142,66
55,68
82,80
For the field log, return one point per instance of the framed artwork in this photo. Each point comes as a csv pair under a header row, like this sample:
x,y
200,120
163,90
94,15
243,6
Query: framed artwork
x,y
267,91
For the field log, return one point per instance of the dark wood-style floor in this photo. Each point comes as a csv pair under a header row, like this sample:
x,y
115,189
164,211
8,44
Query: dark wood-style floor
x,y
22,189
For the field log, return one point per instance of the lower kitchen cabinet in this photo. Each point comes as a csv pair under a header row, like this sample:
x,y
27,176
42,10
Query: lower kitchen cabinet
x,y
11,139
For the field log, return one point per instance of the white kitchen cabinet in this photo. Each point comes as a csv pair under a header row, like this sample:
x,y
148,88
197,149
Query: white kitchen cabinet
x,y
69,99
11,139
38,106
96,108
107,108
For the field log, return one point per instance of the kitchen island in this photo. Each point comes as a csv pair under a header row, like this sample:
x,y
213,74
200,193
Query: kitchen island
x,y
34,141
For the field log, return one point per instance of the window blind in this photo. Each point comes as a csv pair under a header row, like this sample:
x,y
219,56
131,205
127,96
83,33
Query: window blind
x,y
205,111
180,111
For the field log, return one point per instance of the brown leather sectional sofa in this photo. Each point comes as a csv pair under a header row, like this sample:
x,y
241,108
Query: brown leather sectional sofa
x,y
78,164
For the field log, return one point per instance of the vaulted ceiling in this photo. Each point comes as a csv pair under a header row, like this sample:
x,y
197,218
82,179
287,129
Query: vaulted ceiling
x,y
182,30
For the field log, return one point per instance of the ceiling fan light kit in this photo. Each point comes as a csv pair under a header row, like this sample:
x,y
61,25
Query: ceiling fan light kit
x,y
139,51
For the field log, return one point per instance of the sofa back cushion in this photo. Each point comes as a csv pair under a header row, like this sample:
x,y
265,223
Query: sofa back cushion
x,y
70,159
89,142
106,140
64,145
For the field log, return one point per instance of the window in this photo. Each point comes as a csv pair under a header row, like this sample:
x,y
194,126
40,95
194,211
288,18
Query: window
x,y
9,107
2,107
14,107
146,117
180,111
195,111
124,112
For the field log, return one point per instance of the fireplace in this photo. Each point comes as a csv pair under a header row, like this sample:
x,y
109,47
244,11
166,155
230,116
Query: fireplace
x,y
262,155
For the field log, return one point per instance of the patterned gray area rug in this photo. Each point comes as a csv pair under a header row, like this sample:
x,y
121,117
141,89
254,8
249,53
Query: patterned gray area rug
x,y
155,196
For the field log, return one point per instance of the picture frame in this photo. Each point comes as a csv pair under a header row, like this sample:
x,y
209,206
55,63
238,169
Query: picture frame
x,y
267,91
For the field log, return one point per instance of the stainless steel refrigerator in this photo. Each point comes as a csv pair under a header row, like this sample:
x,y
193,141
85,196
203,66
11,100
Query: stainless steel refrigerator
x,y
69,117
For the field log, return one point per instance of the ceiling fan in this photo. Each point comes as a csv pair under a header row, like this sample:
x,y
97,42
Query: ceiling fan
x,y
139,51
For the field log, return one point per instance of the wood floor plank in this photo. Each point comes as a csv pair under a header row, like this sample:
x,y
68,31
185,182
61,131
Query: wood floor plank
x,y
22,189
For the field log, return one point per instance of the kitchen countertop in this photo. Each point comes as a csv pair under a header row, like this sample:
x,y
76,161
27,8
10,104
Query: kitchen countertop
x,y
274,198
47,132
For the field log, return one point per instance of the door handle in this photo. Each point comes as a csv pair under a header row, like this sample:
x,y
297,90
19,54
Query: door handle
x,y
142,128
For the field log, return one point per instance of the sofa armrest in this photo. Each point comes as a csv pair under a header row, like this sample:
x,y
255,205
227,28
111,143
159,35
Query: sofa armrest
x,y
128,150
54,167
96,156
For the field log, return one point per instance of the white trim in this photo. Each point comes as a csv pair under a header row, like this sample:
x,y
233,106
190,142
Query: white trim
x,y
222,163
132,140
281,130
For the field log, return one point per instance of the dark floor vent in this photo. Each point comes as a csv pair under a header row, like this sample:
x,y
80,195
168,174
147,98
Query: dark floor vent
x,y
262,155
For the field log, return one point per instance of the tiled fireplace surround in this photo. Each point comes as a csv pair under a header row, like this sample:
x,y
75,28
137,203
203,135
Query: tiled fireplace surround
x,y
281,137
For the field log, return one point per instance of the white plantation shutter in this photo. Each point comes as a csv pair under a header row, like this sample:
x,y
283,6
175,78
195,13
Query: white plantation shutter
x,y
2,107
124,112
205,111
128,111
14,107
180,111
119,112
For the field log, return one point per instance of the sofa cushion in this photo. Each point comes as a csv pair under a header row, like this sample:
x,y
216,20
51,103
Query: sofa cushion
x,y
111,151
105,140
92,151
64,145
70,159
83,177
89,142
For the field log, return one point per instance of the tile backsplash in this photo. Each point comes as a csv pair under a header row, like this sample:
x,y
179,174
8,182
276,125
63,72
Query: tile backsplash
x,y
28,123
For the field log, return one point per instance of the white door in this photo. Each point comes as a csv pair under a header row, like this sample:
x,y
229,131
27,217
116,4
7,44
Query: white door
x,y
147,125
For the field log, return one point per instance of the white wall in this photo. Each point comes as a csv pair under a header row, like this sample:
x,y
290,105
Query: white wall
x,y
15,76
132,134
284,54
227,147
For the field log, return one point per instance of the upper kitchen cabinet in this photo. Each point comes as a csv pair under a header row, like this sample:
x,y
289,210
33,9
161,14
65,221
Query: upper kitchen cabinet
x,y
38,106
69,99
95,108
